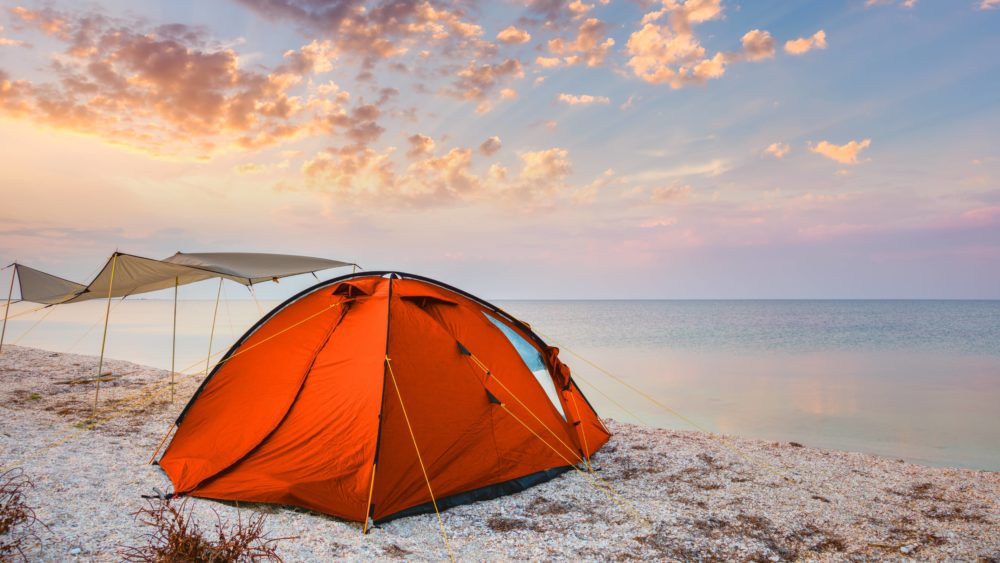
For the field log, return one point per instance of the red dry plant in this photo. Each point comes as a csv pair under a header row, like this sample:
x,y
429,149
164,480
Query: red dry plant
x,y
175,535
17,519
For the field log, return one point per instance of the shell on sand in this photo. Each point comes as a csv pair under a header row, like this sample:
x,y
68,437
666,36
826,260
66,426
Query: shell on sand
x,y
675,494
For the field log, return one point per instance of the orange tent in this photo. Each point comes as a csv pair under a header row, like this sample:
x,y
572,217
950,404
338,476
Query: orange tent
x,y
377,394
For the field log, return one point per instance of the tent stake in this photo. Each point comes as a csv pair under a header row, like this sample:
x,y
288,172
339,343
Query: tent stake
x,y
173,350
211,334
104,338
6,311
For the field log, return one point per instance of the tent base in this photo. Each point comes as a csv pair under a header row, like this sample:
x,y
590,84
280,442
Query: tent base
x,y
483,493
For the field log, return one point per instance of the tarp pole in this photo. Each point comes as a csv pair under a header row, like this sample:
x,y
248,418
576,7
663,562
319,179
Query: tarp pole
x,y
104,338
6,310
211,333
173,350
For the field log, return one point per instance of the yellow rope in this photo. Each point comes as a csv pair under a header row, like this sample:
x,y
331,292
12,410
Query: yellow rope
x,y
624,504
32,327
594,479
368,507
420,459
28,312
211,334
229,314
489,373
163,441
577,377
149,391
76,343
583,432
776,472
104,339
118,411
260,312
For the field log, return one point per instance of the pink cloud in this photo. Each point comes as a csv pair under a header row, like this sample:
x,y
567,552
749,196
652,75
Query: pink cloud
x,y
170,90
513,36
844,154
803,45
582,100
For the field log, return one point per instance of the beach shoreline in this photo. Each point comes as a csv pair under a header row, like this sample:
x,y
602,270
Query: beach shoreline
x,y
675,494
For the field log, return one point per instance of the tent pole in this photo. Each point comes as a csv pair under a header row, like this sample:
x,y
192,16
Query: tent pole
x,y
104,338
6,311
211,333
173,350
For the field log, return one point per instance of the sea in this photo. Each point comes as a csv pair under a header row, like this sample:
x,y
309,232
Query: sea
x,y
913,380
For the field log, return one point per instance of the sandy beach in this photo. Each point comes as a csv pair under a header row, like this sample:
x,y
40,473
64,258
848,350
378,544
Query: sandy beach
x,y
655,494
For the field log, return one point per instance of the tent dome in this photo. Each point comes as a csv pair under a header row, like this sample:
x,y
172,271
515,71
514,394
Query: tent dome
x,y
365,395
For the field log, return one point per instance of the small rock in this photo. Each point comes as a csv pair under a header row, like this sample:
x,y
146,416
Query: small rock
x,y
75,551
907,548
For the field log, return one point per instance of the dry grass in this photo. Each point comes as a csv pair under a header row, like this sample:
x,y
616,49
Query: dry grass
x,y
17,519
175,535
499,523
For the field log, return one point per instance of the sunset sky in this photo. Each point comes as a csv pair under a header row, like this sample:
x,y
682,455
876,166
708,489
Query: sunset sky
x,y
516,149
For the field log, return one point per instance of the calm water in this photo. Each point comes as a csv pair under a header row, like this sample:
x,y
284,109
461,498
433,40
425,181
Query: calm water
x,y
918,380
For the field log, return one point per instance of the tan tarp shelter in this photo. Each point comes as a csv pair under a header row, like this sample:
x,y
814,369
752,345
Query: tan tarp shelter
x,y
251,268
38,287
127,274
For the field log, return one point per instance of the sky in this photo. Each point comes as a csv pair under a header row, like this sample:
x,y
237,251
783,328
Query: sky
x,y
519,149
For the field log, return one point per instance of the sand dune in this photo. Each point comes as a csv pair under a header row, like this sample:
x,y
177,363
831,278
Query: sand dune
x,y
675,494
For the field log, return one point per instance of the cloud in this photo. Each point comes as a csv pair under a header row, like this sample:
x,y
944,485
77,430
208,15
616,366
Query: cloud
x,y
170,90
803,45
709,169
359,125
352,175
555,10
450,174
758,45
590,46
844,154
379,30
420,145
588,194
8,42
658,222
988,4
982,215
582,100
513,36
778,150
664,194
903,3
490,146
368,176
546,165
579,8
249,168
666,51
548,62
478,81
